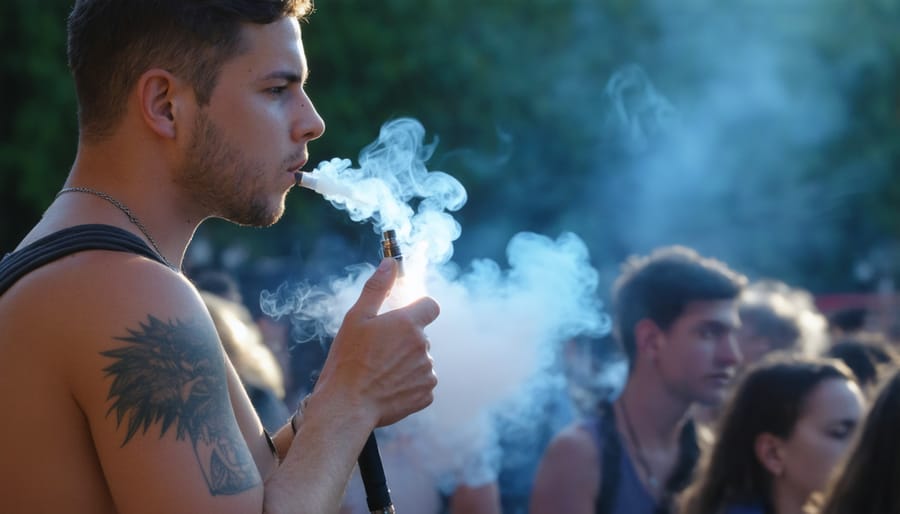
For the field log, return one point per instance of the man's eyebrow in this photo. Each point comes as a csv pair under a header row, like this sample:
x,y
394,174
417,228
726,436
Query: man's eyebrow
x,y
718,324
288,76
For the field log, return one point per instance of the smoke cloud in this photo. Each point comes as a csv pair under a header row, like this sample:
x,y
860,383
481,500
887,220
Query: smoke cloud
x,y
716,132
708,124
500,325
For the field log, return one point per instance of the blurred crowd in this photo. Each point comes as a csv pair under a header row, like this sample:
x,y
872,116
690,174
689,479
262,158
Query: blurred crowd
x,y
713,394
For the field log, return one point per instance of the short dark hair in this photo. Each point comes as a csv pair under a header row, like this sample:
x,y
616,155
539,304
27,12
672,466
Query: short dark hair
x,y
770,398
659,287
112,42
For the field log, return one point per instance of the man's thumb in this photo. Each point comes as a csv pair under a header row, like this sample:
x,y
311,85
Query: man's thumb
x,y
376,289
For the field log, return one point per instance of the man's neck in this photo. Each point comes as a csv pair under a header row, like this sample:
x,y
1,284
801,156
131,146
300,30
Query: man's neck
x,y
655,414
146,193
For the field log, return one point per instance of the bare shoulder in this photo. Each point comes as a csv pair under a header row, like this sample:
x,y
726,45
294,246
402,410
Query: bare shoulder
x,y
132,344
569,473
575,440
90,296
573,450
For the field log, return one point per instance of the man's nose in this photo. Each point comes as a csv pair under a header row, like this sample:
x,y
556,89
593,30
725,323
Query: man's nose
x,y
309,124
729,351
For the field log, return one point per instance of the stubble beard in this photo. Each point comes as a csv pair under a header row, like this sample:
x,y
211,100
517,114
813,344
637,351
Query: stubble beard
x,y
220,178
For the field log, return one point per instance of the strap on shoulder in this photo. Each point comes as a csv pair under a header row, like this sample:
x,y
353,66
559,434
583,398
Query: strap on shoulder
x,y
688,455
65,242
610,456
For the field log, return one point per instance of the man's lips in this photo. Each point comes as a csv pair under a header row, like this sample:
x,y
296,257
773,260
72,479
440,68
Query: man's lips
x,y
295,168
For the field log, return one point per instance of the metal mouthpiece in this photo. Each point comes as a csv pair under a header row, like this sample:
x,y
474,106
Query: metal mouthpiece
x,y
390,248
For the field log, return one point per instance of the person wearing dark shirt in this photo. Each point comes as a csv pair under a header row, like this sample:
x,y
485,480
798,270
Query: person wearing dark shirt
x,y
675,316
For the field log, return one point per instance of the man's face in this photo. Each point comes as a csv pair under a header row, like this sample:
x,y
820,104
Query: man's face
x,y
246,144
698,355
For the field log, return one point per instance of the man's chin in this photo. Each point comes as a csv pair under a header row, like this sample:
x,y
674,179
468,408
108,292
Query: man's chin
x,y
258,218
269,220
712,398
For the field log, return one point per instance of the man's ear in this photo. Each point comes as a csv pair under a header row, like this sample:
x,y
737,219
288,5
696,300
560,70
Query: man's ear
x,y
160,97
769,453
648,337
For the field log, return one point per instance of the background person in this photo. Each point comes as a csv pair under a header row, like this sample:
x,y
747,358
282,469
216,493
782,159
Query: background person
x,y
867,480
675,315
780,436
253,361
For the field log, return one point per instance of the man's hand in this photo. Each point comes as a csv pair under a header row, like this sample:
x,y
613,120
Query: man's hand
x,y
380,364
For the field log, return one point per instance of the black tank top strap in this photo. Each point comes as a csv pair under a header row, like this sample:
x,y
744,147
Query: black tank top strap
x,y
688,455
67,241
610,455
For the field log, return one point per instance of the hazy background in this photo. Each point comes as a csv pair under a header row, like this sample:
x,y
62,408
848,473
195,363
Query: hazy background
x,y
762,132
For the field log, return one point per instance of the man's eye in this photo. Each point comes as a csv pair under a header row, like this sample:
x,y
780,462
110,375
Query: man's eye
x,y
277,90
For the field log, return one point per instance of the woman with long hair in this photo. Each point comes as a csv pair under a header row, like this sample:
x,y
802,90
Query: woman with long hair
x,y
867,482
782,432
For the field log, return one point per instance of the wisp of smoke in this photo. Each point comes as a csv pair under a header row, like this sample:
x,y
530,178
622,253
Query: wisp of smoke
x,y
499,327
391,174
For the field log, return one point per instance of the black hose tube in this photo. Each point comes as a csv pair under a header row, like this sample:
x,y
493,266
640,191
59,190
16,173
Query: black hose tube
x,y
378,496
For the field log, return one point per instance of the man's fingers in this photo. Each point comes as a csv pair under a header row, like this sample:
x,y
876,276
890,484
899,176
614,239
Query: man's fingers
x,y
376,289
423,311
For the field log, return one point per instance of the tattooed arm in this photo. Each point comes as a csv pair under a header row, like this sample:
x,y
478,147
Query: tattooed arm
x,y
153,383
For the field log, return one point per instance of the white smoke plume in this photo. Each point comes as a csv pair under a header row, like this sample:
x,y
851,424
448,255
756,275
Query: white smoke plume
x,y
500,326
390,175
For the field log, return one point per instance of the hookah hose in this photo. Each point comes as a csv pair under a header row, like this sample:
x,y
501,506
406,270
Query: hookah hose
x,y
378,495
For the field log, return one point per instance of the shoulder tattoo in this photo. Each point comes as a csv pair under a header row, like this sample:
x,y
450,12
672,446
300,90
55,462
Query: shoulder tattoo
x,y
169,374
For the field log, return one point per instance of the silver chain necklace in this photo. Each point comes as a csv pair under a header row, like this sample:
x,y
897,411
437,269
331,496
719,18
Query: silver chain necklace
x,y
126,211
642,460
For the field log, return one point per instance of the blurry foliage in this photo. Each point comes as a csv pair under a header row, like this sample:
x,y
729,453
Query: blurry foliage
x,y
515,93
38,125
